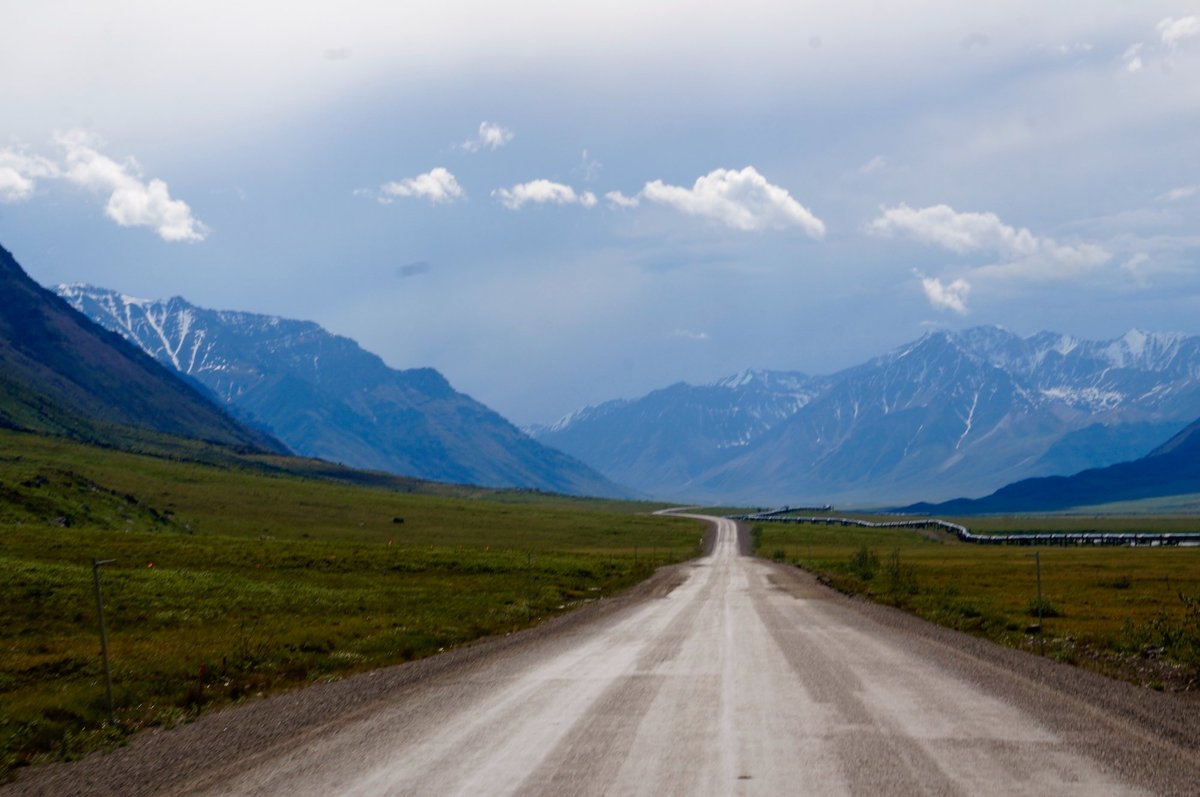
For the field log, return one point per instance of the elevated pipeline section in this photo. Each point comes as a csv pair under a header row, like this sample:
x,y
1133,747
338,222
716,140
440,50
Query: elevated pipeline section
x,y
1044,538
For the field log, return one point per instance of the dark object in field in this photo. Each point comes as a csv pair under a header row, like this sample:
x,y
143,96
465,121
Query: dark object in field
x,y
397,520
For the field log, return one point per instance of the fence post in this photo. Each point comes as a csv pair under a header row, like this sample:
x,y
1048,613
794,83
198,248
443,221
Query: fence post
x,y
96,565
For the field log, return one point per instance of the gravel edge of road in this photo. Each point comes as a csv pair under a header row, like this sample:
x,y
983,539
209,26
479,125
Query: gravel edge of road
x,y
169,761
163,760
1159,731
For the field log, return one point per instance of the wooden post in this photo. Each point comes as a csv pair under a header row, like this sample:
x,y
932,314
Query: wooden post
x,y
96,565
1037,559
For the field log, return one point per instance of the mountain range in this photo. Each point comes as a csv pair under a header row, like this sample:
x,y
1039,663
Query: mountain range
x,y
60,374
1172,469
950,414
324,396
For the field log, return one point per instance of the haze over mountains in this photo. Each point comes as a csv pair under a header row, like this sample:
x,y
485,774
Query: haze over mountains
x,y
326,397
950,414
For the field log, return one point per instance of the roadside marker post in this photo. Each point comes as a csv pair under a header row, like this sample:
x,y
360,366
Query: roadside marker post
x,y
96,565
1037,562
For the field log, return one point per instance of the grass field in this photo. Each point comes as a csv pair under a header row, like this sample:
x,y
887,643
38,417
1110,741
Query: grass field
x,y
231,582
1131,612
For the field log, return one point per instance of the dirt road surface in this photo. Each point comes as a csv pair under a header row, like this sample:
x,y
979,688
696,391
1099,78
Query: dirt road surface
x,y
729,675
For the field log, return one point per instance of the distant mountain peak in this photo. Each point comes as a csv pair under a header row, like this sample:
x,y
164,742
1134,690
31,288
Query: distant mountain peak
x,y
782,380
61,373
961,410
325,396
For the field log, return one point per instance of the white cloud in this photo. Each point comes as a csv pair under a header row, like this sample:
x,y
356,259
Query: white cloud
x,y
958,232
1173,31
1133,57
1074,48
1136,266
589,166
1022,254
541,192
490,136
618,200
132,202
17,173
946,296
14,186
1183,192
873,165
437,185
688,334
743,200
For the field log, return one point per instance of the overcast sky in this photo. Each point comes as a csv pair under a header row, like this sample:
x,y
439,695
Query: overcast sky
x,y
560,203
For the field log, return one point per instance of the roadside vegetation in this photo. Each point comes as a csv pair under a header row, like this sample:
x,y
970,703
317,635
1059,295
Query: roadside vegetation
x,y
1133,613
241,580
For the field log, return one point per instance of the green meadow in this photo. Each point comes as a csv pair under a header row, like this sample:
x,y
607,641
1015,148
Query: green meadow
x,y
1130,612
263,574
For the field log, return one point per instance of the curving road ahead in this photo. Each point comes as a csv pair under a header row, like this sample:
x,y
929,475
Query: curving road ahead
x,y
739,677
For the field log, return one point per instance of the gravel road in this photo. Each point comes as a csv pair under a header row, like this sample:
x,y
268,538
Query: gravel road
x,y
726,675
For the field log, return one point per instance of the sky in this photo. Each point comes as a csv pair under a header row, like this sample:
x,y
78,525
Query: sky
x,y
557,204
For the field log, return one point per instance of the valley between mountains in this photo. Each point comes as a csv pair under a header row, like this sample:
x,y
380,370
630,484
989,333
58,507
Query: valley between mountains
x,y
951,414
234,570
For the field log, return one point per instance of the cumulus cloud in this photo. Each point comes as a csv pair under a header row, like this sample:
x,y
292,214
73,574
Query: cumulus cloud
x,y
873,165
1173,31
542,192
1022,255
743,200
132,202
1133,57
437,185
490,136
1183,192
18,174
14,186
1137,266
618,200
946,296
958,232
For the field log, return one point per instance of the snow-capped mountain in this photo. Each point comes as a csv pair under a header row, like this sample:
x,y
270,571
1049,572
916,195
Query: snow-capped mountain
x,y
667,439
948,414
324,396
61,374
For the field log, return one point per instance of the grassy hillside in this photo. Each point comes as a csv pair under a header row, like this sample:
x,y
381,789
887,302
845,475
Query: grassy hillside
x,y
263,579
61,374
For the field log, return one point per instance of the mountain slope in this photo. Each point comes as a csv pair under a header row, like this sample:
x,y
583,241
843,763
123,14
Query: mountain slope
x,y
948,414
326,397
61,374
667,439
1171,469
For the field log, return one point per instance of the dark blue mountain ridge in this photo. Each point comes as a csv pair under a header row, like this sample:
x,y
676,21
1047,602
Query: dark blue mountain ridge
x,y
1171,469
62,374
